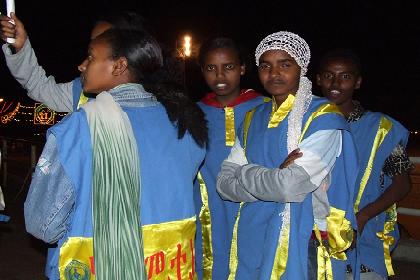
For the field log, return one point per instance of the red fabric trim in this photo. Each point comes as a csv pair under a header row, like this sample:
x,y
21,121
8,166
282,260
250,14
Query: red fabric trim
x,y
244,96
324,235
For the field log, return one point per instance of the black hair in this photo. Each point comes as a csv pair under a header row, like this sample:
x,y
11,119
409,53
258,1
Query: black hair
x,y
124,20
341,53
220,43
145,63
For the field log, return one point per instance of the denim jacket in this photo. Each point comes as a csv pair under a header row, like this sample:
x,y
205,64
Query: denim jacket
x,y
51,197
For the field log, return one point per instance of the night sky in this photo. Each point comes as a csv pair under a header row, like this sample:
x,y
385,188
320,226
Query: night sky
x,y
385,35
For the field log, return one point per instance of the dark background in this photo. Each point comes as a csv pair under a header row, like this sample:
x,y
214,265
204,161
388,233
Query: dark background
x,y
385,35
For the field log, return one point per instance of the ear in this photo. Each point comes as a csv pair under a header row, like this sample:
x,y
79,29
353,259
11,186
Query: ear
x,y
243,70
358,82
120,66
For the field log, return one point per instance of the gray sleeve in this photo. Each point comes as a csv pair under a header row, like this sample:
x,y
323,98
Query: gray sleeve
x,y
253,182
25,69
51,197
229,186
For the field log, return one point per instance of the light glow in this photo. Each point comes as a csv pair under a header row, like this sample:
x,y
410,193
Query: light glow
x,y
187,46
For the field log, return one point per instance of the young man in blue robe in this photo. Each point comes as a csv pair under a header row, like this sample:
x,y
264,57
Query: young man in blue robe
x,y
383,177
223,65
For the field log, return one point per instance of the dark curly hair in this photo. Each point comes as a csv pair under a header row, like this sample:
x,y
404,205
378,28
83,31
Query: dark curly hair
x,y
341,53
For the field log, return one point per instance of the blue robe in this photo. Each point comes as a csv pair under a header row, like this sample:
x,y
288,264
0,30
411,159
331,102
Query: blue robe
x,y
369,246
260,222
166,185
222,212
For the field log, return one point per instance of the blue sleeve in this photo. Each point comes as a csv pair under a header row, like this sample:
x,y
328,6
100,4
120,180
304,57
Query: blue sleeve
x,y
77,92
51,197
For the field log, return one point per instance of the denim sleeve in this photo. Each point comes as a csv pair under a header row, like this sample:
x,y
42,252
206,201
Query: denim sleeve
x,y
50,200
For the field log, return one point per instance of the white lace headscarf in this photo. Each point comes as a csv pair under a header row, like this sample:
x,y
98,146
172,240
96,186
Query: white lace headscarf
x,y
299,50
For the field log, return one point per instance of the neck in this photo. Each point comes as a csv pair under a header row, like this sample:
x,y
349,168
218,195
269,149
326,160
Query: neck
x,y
227,99
346,108
281,98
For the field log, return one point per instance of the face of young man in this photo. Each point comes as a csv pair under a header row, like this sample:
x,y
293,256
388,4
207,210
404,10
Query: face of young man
x,y
338,78
279,74
222,71
98,73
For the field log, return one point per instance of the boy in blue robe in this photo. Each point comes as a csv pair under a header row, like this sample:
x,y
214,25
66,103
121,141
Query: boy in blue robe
x,y
383,177
222,65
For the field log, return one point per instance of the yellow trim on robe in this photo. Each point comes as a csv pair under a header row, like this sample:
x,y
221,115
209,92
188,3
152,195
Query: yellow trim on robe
x,y
205,220
282,254
233,259
323,109
247,123
82,100
168,250
280,113
384,127
388,240
324,266
230,126
340,233
340,237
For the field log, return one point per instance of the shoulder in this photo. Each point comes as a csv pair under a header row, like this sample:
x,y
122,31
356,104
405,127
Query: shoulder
x,y
262,108
396,125
73,122
324,115
323,104
322,107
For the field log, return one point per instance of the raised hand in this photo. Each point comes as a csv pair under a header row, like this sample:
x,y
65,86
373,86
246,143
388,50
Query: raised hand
x,y
10,30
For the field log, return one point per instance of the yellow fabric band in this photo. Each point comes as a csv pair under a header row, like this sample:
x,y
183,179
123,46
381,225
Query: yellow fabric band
x,y
322,110
230,126
340,233
324,265
282,254
233,258
82,100
388,239
205,220
279,114
384,127
169,252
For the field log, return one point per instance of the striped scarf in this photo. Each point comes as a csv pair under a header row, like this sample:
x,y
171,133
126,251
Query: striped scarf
x,y
116,189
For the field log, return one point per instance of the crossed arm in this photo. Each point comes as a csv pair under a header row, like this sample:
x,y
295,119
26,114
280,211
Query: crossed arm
x,y
242,182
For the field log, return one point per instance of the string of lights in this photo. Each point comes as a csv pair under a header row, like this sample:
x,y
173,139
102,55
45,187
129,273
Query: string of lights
x,y
37,114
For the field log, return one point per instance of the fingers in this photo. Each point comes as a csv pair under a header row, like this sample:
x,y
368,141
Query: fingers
x,y
16,20
12,27
7,28
295,154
